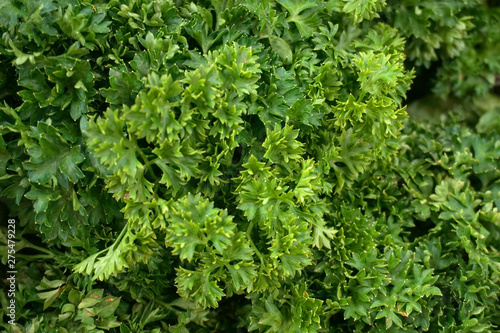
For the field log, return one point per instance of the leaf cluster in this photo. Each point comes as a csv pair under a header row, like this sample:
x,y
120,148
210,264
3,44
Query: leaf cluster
x,y
220,165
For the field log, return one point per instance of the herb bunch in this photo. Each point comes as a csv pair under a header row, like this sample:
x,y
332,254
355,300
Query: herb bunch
x,y
214,166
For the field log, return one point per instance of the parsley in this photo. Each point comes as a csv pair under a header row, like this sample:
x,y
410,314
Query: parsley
x,y
211,166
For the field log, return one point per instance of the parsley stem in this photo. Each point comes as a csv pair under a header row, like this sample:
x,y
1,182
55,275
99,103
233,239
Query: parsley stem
x,y
148,165
119,239
38,248
34,256
143,156
252,244
361,96
164,304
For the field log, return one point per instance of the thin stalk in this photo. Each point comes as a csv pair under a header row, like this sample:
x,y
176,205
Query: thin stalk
x,y
143,156
252,244
36,247
120,236
164,304
34,256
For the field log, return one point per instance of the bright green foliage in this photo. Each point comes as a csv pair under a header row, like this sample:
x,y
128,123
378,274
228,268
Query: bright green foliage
x,y
211,166
358,10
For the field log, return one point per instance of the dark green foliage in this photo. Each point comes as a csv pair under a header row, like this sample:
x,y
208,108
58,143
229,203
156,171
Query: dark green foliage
x,y
457,37
217,166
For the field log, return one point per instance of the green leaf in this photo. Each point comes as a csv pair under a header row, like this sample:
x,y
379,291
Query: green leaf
x,y
281,144
108,306
53,160
74,296
395,318
432,291
68,307
282,49
42,198
69,162
304,14
78,108
88,302
199,285
5,157
273,317
49,297
49,284
86,266
195,222
363,10
322,236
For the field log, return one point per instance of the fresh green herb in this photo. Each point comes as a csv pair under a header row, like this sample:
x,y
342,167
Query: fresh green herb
x,y
215,166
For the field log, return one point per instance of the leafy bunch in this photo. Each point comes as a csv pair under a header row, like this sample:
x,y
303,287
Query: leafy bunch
x,y
454,38
199,157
